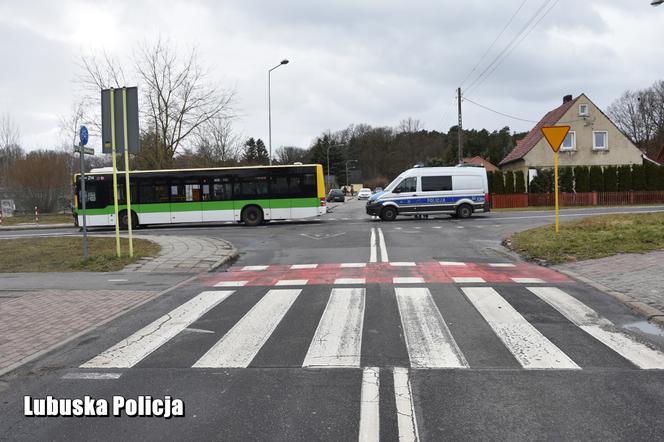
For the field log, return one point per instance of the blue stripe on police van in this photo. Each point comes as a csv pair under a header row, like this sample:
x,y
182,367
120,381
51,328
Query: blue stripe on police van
x,y
436,200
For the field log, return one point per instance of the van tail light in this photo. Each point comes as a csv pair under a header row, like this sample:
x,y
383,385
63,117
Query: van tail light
x,y
322,202
486,197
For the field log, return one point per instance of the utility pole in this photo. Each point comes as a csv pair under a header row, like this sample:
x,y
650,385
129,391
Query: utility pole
x,y
460,128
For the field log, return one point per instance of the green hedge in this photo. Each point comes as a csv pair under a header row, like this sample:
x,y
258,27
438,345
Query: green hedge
x,y
520,185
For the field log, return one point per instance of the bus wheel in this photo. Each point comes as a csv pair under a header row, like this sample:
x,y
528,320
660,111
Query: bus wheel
x,y
124,220
388,213
252,216
464,211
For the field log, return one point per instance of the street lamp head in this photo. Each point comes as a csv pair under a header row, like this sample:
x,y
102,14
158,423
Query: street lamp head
x,y
284,61
656,2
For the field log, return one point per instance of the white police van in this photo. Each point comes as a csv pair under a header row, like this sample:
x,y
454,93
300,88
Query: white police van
x,y
459,190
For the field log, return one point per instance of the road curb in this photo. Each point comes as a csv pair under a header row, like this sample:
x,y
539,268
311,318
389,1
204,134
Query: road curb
x,y
232,256
53,347
37,227
651,313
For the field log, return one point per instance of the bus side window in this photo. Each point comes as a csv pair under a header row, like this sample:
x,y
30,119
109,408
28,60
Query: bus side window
x,y
152,191
221,189
308,185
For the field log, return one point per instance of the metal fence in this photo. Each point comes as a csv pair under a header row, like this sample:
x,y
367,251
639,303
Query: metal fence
x,y
520,200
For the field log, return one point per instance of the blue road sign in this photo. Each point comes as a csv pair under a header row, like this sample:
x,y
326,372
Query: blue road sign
x,y
83,135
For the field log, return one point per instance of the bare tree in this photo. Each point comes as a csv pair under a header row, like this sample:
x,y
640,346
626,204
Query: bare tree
x,y
217,142
178,99
10,146
291,154
409,126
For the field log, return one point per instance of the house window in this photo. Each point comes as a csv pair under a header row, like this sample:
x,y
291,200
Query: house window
x,y
569,143
600,140
583,110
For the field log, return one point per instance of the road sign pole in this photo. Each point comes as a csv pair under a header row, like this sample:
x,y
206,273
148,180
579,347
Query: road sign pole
x,y
84,199
115,175
555,182
126,160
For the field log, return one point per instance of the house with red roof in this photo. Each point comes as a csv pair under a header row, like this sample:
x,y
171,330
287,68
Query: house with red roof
x,y
479,161
593,140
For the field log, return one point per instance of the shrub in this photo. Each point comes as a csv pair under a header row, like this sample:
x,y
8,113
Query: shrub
x,y
520,185
611,179
624,178
565,179
543,182
596,179
498,182
489,179
650,171
638,177
509,182
581,179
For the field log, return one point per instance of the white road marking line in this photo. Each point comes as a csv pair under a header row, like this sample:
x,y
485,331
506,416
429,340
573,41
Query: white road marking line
x,y
240,345
372,245
340,281
353,264
459,227
451,263
403,395
292,282
254,268
118,280
369,405
398,228
408,280
402,264
338,338
501,264
467,279
130,351
528,280
92,376
437,227
383,247
600,328
198,330
430,343
303,266
231,284
525,342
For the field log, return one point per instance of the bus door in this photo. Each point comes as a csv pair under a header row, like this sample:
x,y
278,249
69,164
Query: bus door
x,y
186,197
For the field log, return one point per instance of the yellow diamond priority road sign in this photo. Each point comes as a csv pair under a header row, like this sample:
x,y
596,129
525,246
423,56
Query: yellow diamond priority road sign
x,y
555,135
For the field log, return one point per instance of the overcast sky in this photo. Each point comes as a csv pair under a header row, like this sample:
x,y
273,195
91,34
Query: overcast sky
x,y
359,61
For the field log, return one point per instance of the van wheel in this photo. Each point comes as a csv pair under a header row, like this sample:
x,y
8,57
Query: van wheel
x,y
252,216
388,213
124,220
464,211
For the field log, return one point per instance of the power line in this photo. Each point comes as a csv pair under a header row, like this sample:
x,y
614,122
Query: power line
x,y
518,118
494,42
553,5
482,76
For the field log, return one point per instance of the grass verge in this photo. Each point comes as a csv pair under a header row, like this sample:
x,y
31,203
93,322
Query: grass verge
x,y
44,218
64,254
592,238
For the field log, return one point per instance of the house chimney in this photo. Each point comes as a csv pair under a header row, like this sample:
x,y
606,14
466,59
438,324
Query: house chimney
x,y
567,99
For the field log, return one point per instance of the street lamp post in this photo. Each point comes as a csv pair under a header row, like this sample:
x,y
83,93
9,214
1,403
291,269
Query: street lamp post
x,y
348,161
269,105
328,161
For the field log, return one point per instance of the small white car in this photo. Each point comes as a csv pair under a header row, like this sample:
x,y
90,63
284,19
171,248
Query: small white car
x,y
364,194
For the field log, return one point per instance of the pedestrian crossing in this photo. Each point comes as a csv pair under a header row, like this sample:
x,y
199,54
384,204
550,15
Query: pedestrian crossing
x,y
537,327
408,272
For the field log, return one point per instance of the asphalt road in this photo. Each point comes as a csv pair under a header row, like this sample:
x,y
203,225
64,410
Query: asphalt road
x,y
350,327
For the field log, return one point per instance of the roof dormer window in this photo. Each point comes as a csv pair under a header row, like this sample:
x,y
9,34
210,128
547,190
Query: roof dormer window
x,y
583,110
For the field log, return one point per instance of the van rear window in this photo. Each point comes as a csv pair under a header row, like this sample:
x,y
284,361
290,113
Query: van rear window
x,y
436,183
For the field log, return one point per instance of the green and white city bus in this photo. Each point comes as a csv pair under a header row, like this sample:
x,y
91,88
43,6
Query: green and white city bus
x,y
252,195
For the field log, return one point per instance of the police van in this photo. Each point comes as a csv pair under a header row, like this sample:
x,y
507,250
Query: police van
x,y
459,191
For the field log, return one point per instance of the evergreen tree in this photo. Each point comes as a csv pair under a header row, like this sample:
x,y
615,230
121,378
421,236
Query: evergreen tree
x,y
250,155
498,183
611,179
596,179
581,179
566,179
543,182
509,182
520,185
638,177
660,178
650,171
624,178
262,157
489,179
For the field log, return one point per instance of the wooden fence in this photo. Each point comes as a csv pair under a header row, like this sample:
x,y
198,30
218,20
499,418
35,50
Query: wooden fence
x,y
518,200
